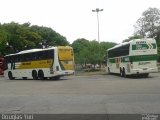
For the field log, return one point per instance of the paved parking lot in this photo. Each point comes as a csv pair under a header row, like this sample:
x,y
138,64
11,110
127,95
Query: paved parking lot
x,y
81,94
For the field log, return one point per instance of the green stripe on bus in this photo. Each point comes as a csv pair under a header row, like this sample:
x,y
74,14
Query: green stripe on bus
x,y
136,58
112,60
143,58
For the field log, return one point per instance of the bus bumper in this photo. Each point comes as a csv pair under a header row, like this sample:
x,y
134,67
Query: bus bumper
x,y
144,70
65,73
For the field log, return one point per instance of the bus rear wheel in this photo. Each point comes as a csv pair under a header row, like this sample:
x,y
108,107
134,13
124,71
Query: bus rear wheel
x,y
34,74
124,72
109,72
40,75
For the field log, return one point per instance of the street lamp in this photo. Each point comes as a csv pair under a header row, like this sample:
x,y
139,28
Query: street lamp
x,y
97,10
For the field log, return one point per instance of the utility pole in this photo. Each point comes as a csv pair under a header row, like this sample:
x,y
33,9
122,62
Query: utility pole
x,y
98,10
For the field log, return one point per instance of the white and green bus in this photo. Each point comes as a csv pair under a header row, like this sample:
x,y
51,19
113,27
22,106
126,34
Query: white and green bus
x,y
137,56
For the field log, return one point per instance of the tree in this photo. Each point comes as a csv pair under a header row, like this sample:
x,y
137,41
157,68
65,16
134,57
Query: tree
x,y
3,41
19,37
15,37
149,23
80,48
94,53
132,37
90,52
49,36
158,43
103,47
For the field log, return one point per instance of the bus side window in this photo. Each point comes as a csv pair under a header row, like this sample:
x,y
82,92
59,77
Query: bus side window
x,y
51,54
5,64
9,59
47,54
16,59
28,56
24,57
39,55
33,56
21,58
44,55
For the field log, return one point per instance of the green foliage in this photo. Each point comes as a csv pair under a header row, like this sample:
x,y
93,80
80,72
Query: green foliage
x,y
158,43
16,37
132,37
149,23
90,52
80,48
49,36
3,40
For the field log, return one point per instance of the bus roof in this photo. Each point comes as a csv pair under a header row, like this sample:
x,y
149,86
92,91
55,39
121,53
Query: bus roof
x,y
30,51
36,50
119,45
125,43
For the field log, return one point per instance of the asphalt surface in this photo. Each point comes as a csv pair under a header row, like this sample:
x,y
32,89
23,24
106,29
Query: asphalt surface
x,y
82,95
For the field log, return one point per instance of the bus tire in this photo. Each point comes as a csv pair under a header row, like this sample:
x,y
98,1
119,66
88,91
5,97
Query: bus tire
x,y
146,75
121,72
124,72
24,78
10,75
34,74
41,75
109,72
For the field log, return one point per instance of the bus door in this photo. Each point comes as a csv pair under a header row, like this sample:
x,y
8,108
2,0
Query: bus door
x,y
118,61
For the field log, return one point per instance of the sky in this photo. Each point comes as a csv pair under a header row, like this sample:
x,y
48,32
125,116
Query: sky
x,y
74,18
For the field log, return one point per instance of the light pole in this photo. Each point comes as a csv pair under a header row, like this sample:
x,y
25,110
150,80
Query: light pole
x,y
97,10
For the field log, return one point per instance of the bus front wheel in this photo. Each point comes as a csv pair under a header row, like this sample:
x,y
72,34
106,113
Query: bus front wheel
x,y
10,75
121,72
34,74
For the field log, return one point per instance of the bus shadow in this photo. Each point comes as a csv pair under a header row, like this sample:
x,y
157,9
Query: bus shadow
x,y
139,77
48,80
133,76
